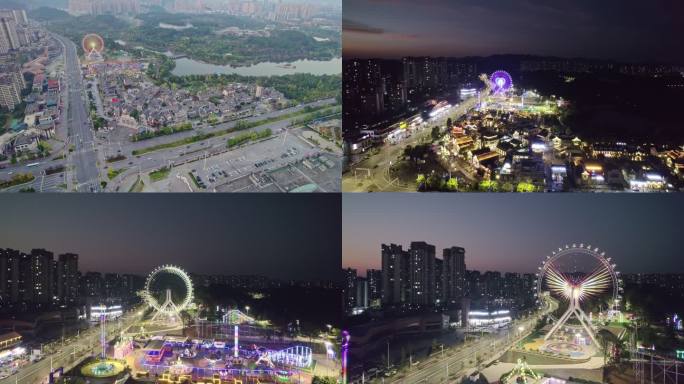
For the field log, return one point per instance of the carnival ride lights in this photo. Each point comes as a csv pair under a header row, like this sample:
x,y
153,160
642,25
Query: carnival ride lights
x,y
298,356
168,308
573,289
345,351
520,374
236,349
235,316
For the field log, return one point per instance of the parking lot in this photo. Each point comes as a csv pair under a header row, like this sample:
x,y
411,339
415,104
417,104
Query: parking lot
x,y
283,163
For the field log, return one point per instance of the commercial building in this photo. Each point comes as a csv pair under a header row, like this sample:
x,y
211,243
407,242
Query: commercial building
x,y
110,312
494,319
8,340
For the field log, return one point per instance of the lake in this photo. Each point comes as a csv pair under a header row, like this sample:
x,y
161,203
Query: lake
x,y
185,66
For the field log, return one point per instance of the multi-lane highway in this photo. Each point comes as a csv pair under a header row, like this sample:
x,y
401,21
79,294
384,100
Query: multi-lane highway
x,y
468,355
81,171
82,161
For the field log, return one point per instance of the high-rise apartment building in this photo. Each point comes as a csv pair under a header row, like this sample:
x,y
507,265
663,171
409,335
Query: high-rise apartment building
x,y
422,280
350,278
10,275
395,279
374,278
453,275
67,278
9,40
39,277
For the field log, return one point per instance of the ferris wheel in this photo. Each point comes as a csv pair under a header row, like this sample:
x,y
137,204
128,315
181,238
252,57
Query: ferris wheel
x,y
93,45
501,82
573,274
168,307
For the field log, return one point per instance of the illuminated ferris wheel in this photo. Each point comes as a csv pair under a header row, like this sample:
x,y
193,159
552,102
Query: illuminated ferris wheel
x,y
168,308
575,274
501,82
93,45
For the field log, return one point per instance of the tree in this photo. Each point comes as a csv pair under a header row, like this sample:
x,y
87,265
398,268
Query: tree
x,y
435,133
525,187
324,380
607,340
136,115
434,182
420,181
408,150
448,123
44,148
452,184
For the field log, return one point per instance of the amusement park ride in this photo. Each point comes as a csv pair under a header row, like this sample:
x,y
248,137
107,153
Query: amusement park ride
x,y
219,347
522,373
167,311
602,281
93,45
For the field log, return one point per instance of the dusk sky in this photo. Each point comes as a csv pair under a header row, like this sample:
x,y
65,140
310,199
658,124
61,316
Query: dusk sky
x,y
281,236
624,30
514,232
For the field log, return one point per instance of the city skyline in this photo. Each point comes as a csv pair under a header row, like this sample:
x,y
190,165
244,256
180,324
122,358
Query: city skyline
x,y
605,30
273,236
512,227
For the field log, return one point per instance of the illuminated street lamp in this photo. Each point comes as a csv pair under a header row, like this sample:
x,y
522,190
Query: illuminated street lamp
x,y
247,309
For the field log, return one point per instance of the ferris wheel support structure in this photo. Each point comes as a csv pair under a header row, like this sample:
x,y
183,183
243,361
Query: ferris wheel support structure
x,y
574,309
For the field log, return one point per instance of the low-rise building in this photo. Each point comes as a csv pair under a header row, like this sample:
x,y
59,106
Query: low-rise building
x,y
24,143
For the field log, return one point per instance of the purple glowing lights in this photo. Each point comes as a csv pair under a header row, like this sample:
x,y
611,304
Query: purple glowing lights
x,y
501,82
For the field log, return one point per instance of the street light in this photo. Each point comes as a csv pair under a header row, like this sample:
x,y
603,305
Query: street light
x,y
388,355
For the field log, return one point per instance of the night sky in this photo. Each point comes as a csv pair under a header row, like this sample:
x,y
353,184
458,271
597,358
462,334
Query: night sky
x,y
514,232
280,236
624,30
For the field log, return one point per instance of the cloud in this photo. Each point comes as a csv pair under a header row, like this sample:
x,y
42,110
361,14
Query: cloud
x,y
350,26
353,26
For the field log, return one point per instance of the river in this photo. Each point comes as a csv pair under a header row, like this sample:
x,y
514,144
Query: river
x,y
185,66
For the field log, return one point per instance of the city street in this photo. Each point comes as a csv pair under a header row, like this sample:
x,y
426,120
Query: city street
x,y
374,171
